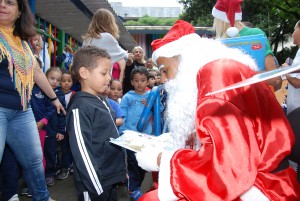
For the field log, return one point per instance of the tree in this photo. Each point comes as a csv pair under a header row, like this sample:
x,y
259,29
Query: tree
x,y
198,12
151,21
277,18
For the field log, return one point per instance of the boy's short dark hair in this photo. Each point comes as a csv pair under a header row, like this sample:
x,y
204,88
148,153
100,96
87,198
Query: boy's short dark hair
x,y
141,70
158,73
87,56
65,71
111,81
151,76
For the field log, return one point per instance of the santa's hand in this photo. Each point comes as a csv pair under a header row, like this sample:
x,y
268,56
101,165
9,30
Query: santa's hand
x,y
147,159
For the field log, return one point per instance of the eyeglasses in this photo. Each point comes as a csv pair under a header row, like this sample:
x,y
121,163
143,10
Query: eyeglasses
x,y
9,2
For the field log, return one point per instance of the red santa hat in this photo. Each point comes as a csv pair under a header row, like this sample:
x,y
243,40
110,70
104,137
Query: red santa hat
x,y
228,10
170,40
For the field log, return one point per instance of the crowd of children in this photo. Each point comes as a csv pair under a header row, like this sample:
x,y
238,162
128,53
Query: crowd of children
x,y
110,97
55,135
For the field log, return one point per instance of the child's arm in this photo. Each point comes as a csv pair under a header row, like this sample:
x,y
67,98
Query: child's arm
x,y
123,106
122,65
50,111
40,125
119,121
79,126
119,113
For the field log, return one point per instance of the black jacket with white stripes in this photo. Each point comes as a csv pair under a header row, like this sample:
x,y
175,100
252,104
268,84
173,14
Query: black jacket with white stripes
x,y
98,163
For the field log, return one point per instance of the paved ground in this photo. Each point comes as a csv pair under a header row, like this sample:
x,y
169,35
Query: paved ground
x,y
64,190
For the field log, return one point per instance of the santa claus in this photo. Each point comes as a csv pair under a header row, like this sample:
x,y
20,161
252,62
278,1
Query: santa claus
x,y
245,136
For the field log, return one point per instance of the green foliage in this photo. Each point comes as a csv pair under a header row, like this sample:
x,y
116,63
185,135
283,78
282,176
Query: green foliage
x,y
151,21
276,17
198,12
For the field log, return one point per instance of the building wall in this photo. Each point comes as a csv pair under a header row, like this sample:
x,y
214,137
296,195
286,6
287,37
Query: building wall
x,y
133,12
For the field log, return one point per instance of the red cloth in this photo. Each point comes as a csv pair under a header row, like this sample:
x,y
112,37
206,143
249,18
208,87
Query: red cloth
x,y
230,7
244,135
116,71
179,29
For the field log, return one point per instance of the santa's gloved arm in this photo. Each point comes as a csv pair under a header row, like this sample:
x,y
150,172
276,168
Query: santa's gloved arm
x,y
165,191
148,159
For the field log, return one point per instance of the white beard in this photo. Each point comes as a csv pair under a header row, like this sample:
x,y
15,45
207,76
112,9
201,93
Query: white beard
x,y
182,91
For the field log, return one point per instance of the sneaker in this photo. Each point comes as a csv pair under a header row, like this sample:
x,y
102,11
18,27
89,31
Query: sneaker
x,y
57,172
26,191
63,174
49,181
14,198
71,170
136,194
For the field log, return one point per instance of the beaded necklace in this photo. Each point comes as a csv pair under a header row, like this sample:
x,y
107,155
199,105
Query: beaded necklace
x,y
21,63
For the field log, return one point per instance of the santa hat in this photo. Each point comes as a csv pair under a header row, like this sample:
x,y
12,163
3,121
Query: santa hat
x,y
228,11
170,41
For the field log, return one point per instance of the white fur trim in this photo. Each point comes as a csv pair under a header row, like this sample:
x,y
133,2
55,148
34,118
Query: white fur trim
x,y
254,194
232,32
173,48
223,16
165,192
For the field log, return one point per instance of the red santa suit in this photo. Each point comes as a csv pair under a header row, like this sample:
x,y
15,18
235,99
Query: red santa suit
x,y
244,133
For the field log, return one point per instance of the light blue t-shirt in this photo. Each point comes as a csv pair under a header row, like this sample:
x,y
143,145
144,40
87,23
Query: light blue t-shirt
x,y
132,108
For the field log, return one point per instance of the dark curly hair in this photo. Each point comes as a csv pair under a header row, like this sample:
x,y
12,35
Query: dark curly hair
x,y
87,56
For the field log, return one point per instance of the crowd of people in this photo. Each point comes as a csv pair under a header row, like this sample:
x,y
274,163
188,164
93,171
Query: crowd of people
x,y
67,116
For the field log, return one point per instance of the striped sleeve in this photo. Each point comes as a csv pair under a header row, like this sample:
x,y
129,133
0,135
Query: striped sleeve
x,y
80,130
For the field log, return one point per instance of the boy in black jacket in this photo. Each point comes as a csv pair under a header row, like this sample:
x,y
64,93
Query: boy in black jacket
x,y
99,165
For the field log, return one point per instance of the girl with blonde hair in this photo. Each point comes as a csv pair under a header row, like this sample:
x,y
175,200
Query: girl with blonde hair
x,y
103,32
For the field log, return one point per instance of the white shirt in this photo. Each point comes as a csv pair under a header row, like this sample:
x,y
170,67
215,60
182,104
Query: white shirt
x,y
110,44
46,60
293,96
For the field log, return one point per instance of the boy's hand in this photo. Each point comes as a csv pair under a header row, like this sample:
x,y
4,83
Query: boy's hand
x,y
59,137
40,125
143,101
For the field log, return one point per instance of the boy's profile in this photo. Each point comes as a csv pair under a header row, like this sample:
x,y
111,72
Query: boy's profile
x,y
99,165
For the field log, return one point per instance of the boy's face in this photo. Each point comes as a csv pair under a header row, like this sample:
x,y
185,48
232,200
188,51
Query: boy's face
x,y
54,78
66,82
36,42
157,79
139,82
106,92
149,64
96,80
151,82
115,90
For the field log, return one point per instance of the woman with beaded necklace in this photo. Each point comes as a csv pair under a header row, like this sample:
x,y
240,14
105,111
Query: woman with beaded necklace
x,y
18,72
